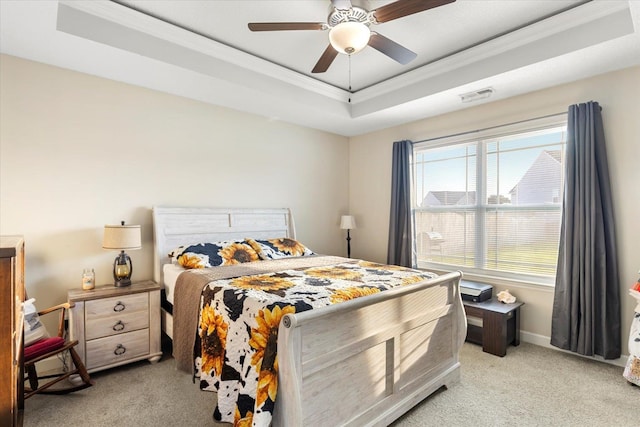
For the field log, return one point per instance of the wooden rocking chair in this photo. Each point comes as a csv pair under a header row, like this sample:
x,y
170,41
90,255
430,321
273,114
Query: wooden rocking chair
x,y
48,347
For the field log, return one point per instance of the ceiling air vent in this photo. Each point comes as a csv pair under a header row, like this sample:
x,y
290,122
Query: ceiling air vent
x,y
476,95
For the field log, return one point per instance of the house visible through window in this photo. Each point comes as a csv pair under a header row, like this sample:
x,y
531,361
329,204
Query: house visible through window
x,y
490,203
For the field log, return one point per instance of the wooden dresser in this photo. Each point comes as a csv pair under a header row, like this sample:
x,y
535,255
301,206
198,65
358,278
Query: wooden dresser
x,y
11,330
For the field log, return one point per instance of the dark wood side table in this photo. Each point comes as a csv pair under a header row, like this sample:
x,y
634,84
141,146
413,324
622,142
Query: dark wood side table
x,y
500,325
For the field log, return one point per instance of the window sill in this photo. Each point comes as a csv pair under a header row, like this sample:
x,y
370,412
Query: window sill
x,y
511,283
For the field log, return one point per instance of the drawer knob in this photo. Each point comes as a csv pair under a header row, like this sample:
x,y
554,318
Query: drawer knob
x,y
118,326
120,350
119,306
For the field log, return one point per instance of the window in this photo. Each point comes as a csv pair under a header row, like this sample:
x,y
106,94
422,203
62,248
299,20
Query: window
x,y
490,203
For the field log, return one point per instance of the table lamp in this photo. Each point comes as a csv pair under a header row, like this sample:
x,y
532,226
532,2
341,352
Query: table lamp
x,y
122,237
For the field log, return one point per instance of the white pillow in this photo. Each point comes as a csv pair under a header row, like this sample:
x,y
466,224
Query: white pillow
x,y
34,330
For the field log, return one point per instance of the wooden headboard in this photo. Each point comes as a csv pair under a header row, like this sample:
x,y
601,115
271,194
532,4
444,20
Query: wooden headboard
x,y
175,226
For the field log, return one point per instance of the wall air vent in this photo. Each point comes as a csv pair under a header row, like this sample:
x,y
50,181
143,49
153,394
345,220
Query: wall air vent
x,y
477,95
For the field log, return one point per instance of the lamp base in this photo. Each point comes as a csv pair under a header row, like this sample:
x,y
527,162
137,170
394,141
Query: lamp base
x,y
122,270
122,283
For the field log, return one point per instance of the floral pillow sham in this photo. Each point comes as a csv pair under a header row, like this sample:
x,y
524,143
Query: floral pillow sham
x,y
205,255
279,248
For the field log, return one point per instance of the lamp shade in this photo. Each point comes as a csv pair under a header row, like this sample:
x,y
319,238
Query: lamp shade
x,y
122,237
347,222
349,37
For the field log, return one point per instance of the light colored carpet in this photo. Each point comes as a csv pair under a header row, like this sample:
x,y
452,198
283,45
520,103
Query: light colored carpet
x,y
531,386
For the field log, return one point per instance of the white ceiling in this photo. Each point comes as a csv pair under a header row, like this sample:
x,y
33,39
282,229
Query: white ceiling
x,y
205,51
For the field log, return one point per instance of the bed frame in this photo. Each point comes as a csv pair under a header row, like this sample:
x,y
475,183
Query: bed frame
x,y
361,362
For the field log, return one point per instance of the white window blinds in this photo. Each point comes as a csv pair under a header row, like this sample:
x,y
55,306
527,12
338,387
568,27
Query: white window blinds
x,y
491,204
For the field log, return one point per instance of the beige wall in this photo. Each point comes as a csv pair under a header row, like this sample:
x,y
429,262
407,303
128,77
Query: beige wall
x,y
78,152
619,95
63,174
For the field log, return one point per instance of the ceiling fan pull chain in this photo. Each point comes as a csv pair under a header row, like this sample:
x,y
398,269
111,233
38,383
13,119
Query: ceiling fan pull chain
x,y
350,92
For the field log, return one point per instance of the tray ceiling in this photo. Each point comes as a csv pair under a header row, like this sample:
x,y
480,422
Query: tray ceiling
x,y
205,51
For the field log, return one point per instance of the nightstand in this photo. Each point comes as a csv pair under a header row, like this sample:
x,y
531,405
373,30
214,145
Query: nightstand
x,y
500,325
115,326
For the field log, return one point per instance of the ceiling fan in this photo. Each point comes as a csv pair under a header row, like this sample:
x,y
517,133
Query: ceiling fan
x,y
349,30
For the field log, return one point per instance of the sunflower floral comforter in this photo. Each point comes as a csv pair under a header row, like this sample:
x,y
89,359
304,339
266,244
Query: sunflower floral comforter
x,y
239,319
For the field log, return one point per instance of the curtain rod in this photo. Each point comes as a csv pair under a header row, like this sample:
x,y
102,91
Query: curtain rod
x,y
489,128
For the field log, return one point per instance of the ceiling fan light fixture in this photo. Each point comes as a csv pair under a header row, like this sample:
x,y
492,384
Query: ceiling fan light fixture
x,y
349,37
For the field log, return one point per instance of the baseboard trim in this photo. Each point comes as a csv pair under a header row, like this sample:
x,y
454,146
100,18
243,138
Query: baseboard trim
x,y
52,365
544,341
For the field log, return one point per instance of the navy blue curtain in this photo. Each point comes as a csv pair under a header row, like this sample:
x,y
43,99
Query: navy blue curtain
x,y
400,248
586,307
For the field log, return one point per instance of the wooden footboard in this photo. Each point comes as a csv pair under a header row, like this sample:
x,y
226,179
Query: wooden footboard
x,y
369,360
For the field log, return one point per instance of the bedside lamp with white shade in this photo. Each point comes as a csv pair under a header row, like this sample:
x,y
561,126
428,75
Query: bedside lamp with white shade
x,y
348,222
122,237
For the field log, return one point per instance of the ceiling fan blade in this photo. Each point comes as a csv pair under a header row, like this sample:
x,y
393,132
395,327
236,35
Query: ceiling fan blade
x,y
401,8
342,4
285,26
325,60
392,49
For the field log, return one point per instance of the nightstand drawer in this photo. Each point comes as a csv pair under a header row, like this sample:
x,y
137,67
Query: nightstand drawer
x,y
98,327
118,348
114,307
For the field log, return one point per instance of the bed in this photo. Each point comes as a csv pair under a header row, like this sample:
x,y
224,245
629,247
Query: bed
x,y
364,361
